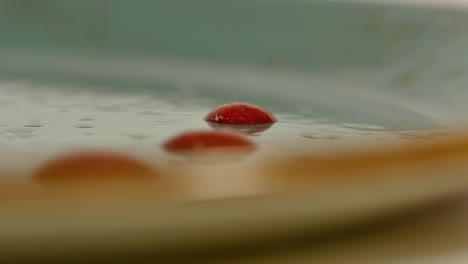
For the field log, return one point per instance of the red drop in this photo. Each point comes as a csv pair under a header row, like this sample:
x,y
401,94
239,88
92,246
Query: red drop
x,y
207,140
240,114
93,166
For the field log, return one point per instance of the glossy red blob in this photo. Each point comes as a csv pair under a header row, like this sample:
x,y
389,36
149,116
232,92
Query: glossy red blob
x,y
93,166
207,140
240,114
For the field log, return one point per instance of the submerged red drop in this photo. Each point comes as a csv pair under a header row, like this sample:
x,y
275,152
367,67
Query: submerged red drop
x,y
208,140
95,167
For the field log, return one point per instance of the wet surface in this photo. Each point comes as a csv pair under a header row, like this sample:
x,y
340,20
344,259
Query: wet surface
x,y
41,120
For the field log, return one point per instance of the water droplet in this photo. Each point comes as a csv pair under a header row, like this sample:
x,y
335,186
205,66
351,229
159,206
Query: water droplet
x,y
87,119
167,122
319,136
410,135
84,126
365,127
137,136
34,124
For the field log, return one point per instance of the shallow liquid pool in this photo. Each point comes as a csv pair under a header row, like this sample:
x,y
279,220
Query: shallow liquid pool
x,y
40,120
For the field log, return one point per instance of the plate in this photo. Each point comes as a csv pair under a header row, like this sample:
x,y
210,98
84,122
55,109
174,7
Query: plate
x,y
365,130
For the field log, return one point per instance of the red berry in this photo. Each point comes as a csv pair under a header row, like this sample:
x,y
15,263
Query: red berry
x,y
207,140
92,167
240,114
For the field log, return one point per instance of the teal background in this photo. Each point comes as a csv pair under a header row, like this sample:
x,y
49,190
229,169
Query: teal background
x,y
320,35
386,64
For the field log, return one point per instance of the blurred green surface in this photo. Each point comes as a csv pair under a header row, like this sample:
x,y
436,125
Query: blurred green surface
x,y
320,35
